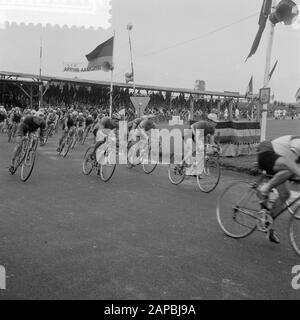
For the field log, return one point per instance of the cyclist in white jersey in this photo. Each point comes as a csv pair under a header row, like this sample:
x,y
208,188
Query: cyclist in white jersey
x,y
279,158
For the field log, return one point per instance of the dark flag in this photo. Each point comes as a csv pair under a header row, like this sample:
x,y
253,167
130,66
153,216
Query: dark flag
x,y
272,71
264,13
101,57
249,91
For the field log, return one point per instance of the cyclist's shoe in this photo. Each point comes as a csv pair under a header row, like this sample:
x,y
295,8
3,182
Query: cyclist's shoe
x,y
273,236
263,199
58,149
12,170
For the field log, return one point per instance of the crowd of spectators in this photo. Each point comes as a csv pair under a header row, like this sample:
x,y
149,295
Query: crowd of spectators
x,y
163,104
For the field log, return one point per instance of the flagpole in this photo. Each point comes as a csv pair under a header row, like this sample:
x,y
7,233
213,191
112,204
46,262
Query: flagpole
x,y
266,77
129,28
40,74
111,79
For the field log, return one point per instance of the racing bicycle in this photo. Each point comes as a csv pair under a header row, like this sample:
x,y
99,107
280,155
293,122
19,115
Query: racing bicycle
x,y
208,179
239,212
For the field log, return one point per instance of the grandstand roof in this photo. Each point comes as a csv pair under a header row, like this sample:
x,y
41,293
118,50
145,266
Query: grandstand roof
x,y
5,75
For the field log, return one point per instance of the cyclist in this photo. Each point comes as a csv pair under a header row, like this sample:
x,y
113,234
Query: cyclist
x,y
80,125
68,126
51,118
89,121
279,158
208,126
3,117
15,117
28,125
104,126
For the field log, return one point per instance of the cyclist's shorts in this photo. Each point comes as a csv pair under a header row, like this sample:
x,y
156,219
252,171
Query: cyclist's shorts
x,y
50,122
266,157
2,117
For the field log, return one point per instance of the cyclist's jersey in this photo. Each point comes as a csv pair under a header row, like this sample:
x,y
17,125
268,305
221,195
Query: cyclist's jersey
x,y
89,121
51,117
3,116
109,123
95,115
69,121
80,121
206,126
16,117
31,126
287,146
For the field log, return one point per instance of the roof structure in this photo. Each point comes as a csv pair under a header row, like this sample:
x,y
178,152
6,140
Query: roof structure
x,y
35,79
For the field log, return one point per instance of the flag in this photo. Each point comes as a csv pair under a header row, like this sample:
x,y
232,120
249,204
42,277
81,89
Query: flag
x,y
273,69
101,57
129,77
264,13
250,88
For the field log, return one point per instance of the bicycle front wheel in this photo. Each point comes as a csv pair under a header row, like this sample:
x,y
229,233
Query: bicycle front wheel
x,y
210,177
237,209
176,173
88,163
294,230
27,165
108,168
66,147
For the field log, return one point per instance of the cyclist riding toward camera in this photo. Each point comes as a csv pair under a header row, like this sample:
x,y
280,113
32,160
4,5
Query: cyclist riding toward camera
x,y
68,127
28,125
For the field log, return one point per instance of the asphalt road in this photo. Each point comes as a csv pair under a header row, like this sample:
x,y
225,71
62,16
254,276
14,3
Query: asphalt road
x,y
64,235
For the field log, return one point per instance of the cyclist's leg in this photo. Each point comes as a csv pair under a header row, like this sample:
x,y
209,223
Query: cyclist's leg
x,y
64,134
279,204
22,130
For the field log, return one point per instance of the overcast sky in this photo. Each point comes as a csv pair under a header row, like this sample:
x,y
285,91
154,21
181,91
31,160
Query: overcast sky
x,y
175,42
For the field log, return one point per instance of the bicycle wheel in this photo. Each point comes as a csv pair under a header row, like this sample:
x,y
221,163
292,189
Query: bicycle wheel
x,y
176,173
85,134
294,230
210,177
108,168
149,167
66,147
28,164
88,163
237,209
73,143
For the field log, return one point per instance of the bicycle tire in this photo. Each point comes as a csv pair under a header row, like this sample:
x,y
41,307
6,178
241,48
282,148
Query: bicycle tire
x,y
66,147
149,168
87,154
239,219
107,177
202,177
24,176
294,230
172,168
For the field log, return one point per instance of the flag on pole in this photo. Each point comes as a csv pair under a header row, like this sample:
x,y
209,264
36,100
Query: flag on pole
x,y
264,13
101,58
272,71
250,88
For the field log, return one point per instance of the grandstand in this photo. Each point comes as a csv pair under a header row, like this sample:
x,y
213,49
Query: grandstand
x,y
22,89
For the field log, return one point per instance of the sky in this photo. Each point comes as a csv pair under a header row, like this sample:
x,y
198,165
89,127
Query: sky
x,y
174,43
